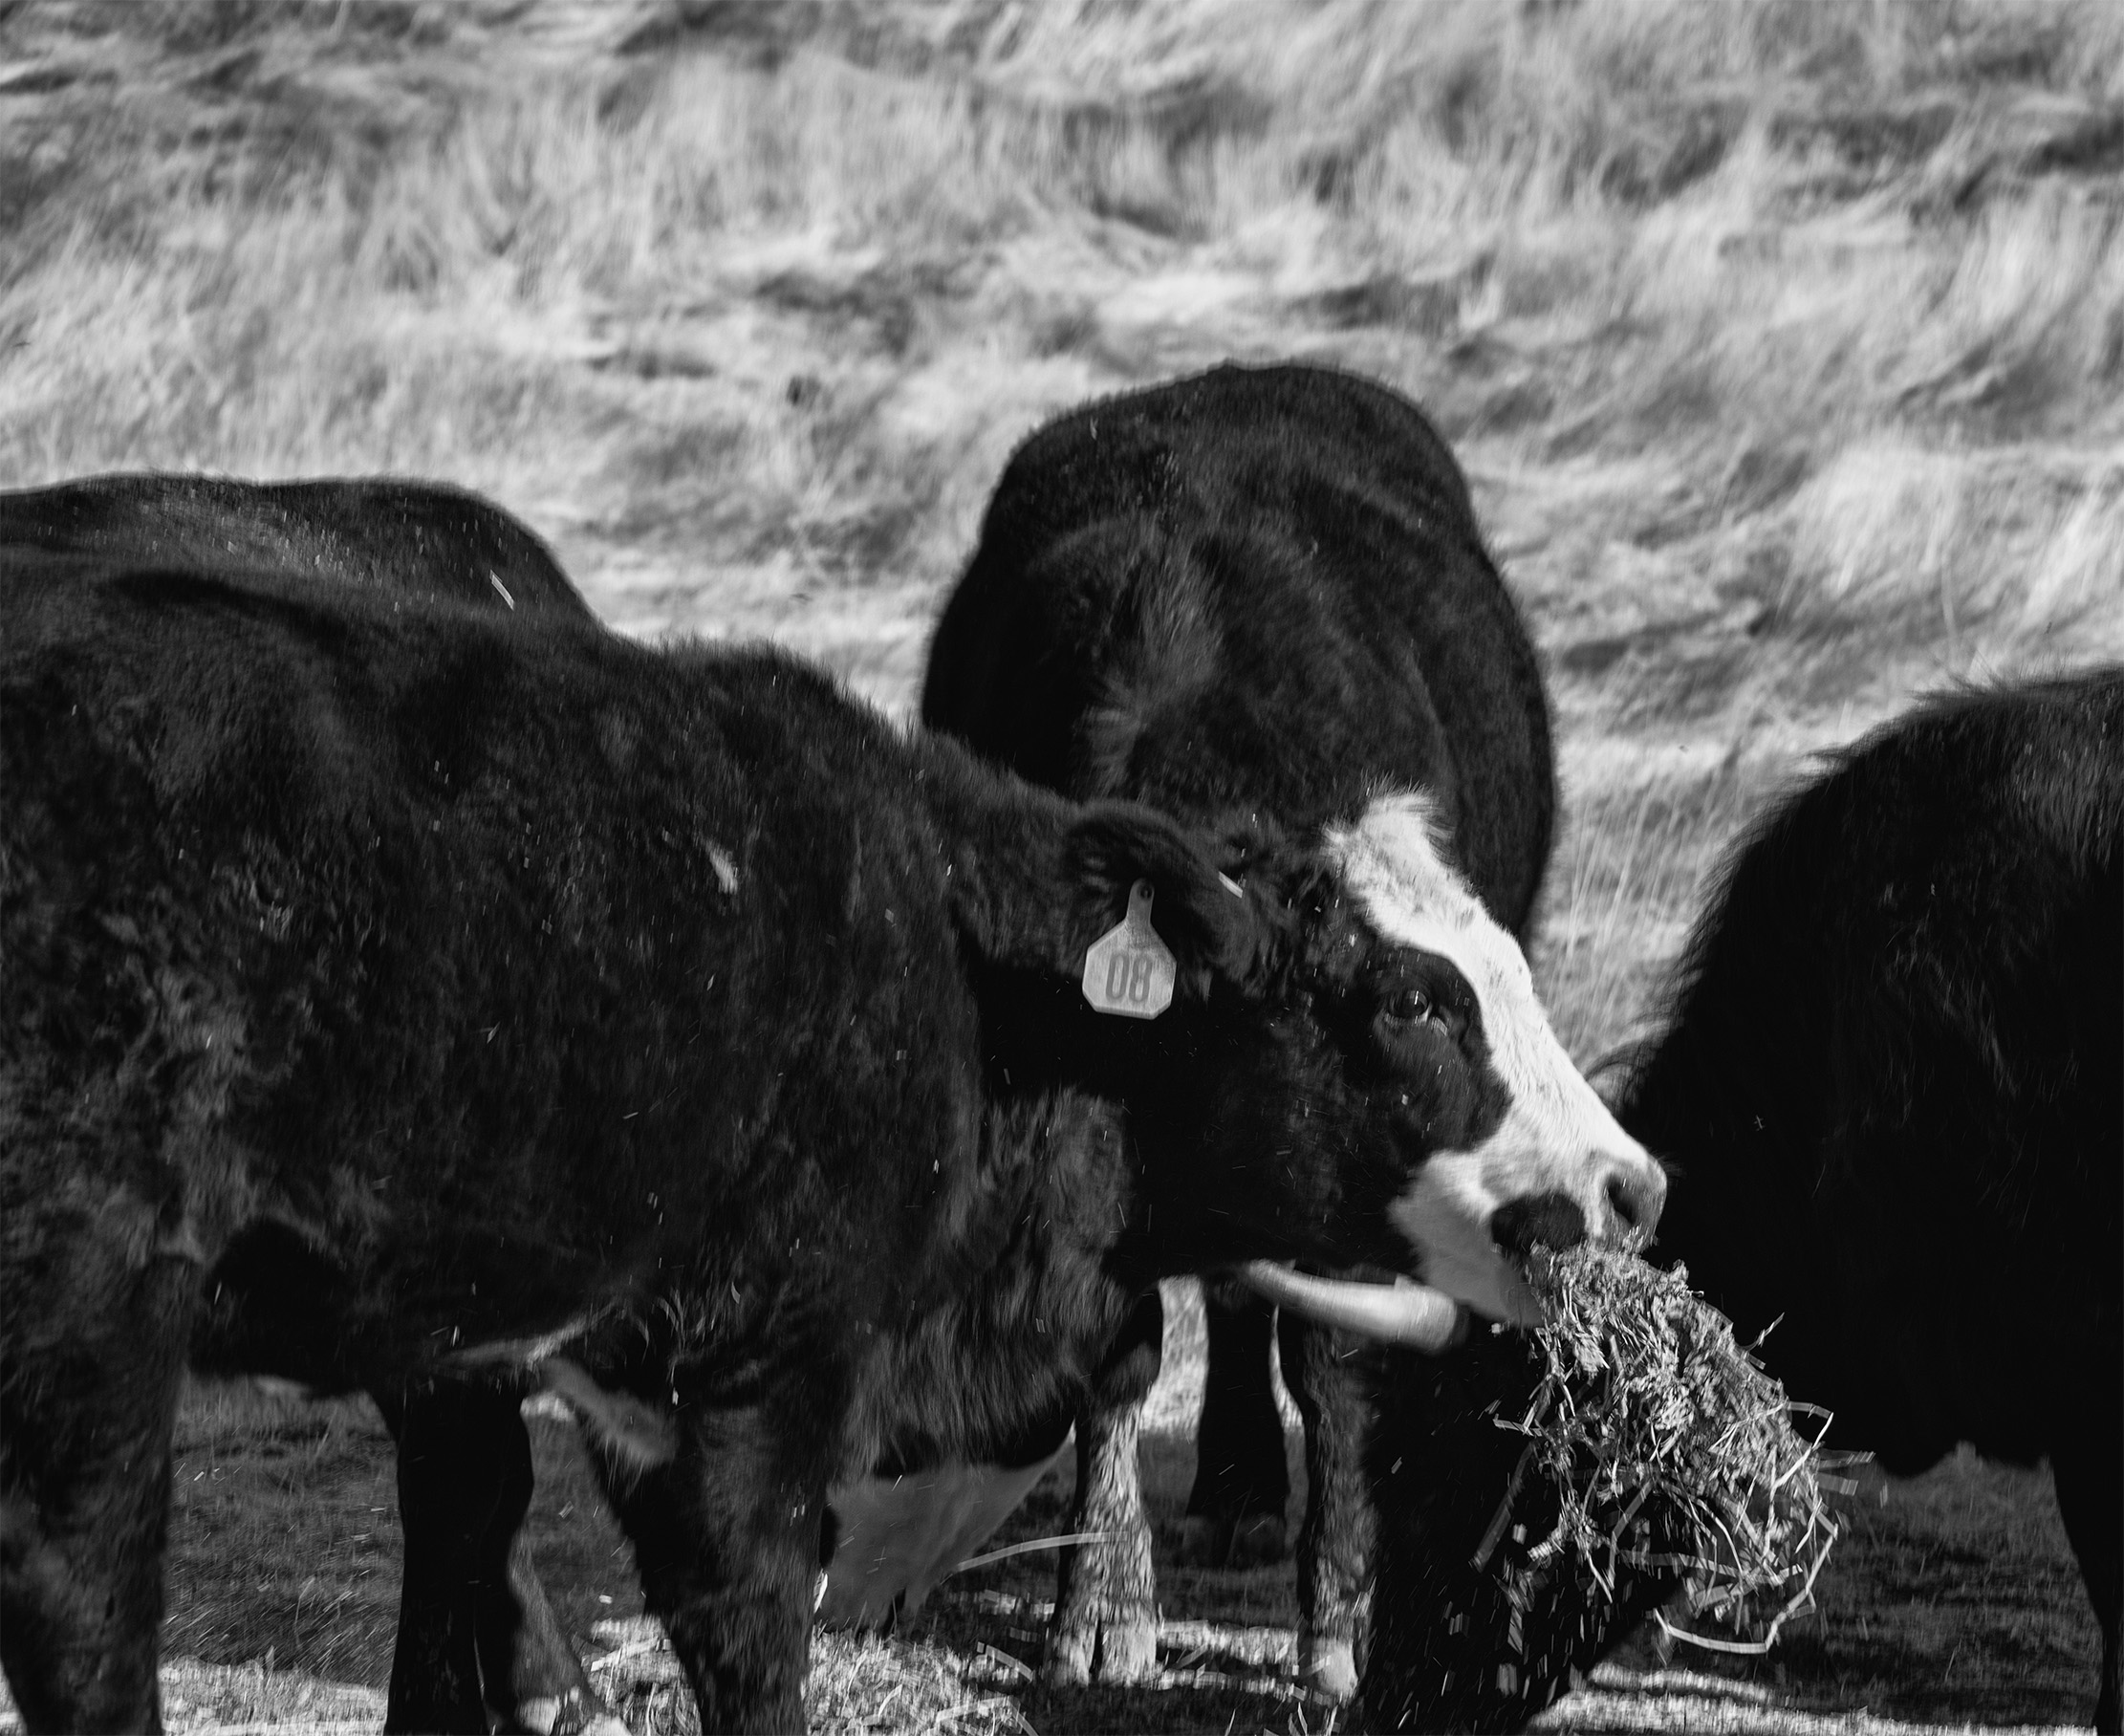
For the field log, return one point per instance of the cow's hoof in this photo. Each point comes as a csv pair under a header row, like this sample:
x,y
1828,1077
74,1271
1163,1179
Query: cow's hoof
x,y
1112,1654
1329,1667
1208,1541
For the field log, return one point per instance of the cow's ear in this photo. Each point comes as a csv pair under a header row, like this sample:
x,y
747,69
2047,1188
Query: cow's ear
x,y
1215,928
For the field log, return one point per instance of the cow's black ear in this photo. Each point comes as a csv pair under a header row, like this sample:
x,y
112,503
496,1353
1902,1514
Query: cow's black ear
x,y
1214,926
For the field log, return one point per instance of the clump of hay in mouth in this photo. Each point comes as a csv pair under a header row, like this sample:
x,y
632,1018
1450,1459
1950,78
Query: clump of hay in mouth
x,y
1668,1450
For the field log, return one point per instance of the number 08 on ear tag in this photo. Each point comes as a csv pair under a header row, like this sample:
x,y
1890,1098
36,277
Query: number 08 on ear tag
x,y
1129,971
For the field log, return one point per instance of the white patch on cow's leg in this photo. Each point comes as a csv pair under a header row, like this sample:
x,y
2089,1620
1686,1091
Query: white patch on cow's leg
x,y
1337,1543
1106,1618
1556,1134
899,1537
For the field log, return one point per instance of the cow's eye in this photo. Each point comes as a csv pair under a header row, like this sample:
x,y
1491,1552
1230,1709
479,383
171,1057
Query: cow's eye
x,y
1411,1006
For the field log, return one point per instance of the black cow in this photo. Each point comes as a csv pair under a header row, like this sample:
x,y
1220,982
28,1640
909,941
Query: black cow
x,y
1262,591
398,992
408,538
1892,1088
388,534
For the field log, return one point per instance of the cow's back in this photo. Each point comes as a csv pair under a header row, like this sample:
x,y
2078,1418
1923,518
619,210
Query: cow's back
x,y
399,851
1251,592
418,538
1253,588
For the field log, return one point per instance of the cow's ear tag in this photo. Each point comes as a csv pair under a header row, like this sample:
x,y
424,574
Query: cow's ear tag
x,y
1129,971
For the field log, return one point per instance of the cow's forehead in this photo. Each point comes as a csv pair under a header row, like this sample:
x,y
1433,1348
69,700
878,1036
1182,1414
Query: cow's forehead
x,y
1389,861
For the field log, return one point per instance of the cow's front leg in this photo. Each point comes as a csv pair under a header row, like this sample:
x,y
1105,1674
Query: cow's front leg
x,y
1106,1612
1325,1373
727,1538
464,1488
533,1677
87,1408
1235,1509
2089,1472
464,1482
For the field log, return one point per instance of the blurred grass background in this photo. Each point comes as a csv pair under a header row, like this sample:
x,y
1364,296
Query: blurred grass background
x,y
1781,338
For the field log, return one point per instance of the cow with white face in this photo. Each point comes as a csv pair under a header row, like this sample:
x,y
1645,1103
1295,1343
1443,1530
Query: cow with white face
x,y
1421,1041
798,1152
1263,592
1370,1083
1542,1161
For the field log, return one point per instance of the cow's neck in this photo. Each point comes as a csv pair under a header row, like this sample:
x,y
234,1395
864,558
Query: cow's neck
x,y
1023,1303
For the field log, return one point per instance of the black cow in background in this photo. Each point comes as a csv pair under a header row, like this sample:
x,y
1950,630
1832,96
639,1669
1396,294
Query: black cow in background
x,y
388,534
1891,1085
407,538
1259,590
400,993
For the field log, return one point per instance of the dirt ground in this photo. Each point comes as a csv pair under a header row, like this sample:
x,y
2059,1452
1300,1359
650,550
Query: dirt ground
x,y
1951,1602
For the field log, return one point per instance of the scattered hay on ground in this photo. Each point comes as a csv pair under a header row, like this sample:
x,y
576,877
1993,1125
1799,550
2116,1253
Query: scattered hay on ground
x,y
860,1685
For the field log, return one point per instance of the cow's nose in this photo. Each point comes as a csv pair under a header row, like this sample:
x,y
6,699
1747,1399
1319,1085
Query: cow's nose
x,y
1637,1191
1542,1219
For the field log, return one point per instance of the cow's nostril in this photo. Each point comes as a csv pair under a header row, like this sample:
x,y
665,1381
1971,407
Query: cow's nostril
x,y
1543,1220
1636,1200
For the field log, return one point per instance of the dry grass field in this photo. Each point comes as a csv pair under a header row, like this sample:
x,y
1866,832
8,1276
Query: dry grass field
x,y
1782,342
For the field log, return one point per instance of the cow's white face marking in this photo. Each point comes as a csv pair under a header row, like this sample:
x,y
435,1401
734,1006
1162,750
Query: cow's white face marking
x,y
1556,1136
899,1535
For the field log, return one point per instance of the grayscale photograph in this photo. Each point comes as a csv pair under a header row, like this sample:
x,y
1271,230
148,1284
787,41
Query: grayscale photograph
x,y
1021,867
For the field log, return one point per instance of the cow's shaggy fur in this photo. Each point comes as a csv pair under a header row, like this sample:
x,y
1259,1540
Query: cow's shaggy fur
x,y
386,534
398,994
407,538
